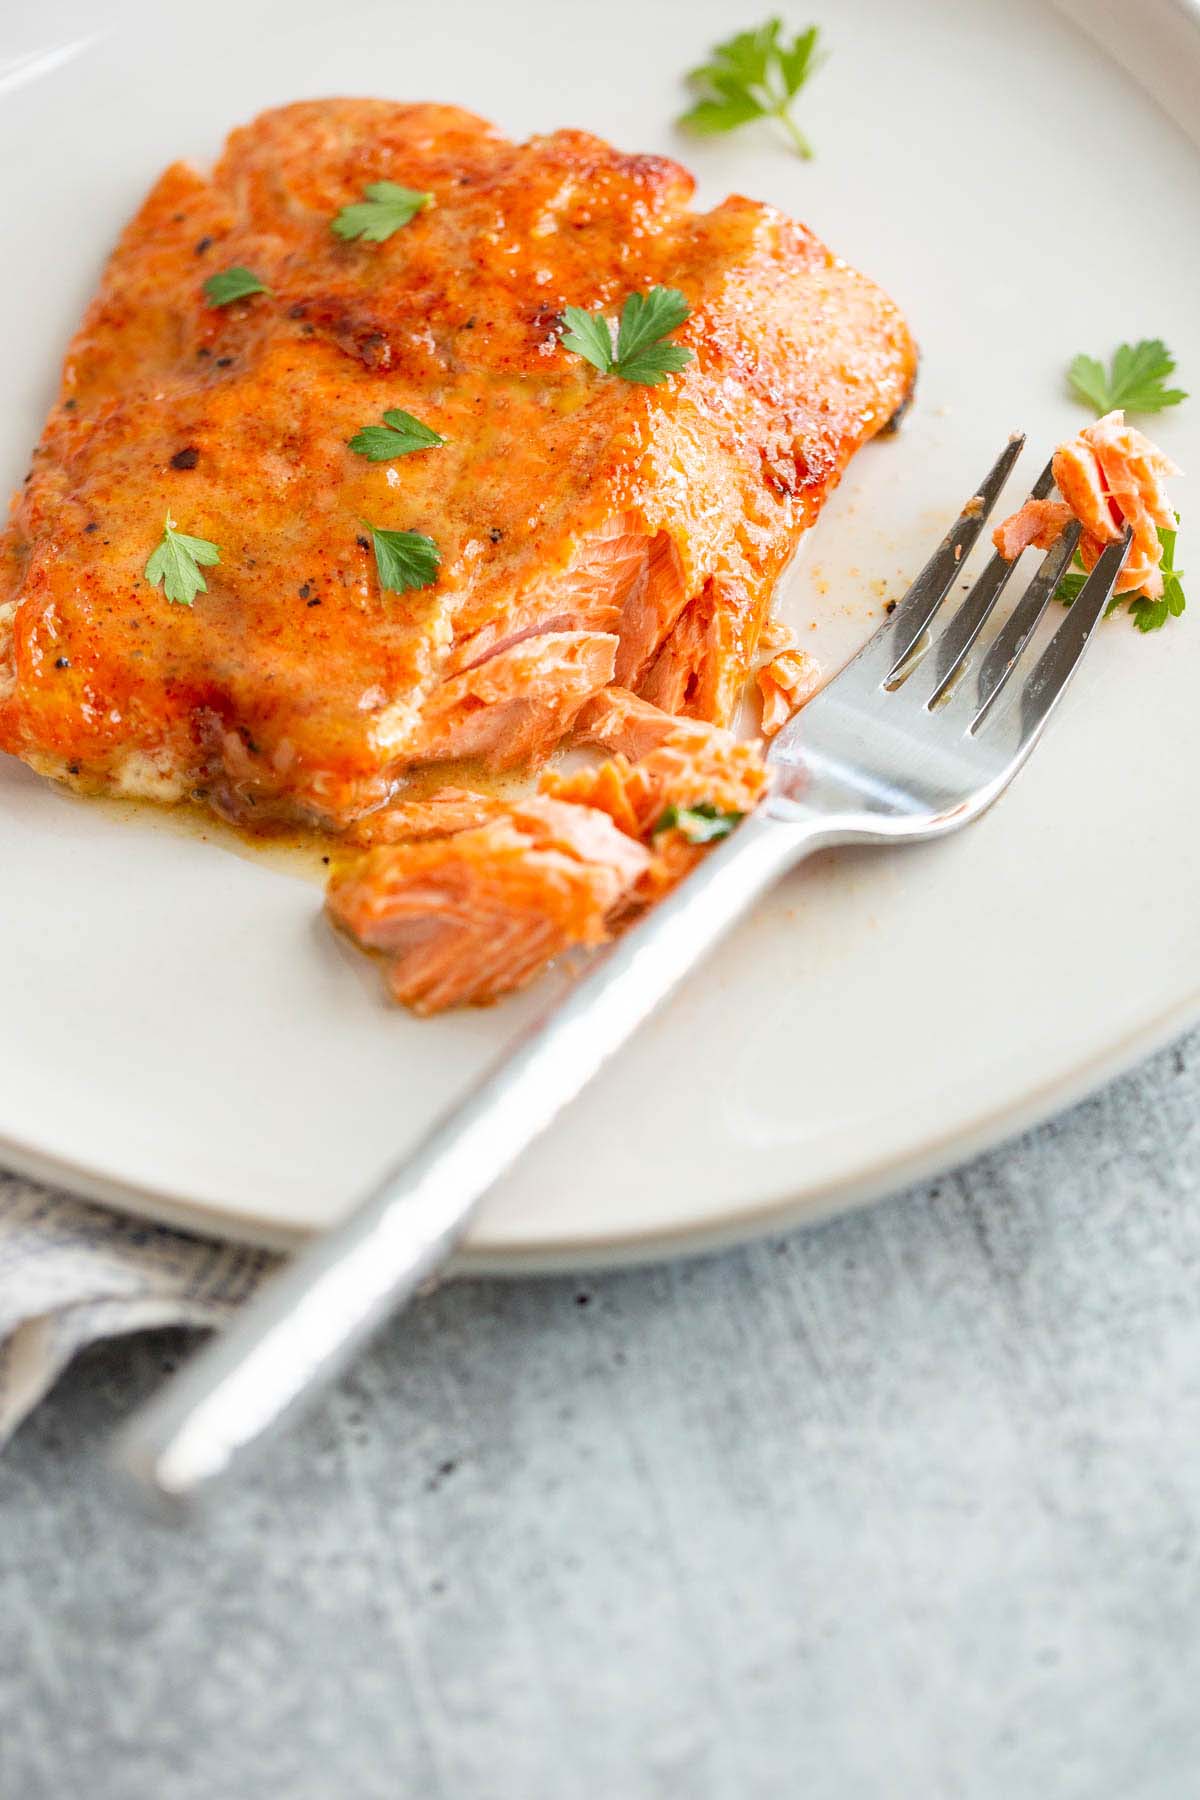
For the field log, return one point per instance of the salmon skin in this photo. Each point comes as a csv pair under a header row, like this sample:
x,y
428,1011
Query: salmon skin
x,y
590,529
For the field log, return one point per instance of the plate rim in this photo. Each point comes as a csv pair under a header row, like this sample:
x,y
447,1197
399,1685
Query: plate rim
x,y
988,1130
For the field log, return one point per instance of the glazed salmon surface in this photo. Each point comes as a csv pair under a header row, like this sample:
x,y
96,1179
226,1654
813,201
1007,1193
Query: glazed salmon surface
x,y
589,529
594,534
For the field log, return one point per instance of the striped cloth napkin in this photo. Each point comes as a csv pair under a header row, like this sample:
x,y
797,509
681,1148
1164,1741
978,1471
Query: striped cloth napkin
x,y
71,1273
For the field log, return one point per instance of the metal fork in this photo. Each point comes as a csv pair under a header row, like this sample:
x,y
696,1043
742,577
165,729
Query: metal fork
x,y
910,741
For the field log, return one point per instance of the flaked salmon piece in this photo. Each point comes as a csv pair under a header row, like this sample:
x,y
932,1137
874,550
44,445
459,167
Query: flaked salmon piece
x,y
650,608
439,814
776,635
681,772
478,913
622,721
1109,475
702,665
513,708
785,683
479,894
588,594
1134,470
1039,522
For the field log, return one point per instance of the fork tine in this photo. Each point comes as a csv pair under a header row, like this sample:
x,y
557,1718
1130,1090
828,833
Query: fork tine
x,y
931,586
882,654
974,698
1063,654
950,647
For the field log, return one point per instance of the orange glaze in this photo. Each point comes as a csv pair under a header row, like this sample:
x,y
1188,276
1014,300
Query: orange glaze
x,y
620,531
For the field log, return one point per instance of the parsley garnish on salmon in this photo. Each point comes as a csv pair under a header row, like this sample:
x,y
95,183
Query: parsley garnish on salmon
x,y
386,207
641,355
176,562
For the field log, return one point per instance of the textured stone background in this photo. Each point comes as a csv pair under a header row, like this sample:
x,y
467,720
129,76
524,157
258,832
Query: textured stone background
x,y
905,1505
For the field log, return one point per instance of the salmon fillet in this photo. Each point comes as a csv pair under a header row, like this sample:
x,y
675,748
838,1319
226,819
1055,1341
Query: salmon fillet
x,y
468,897
1110,475
590,530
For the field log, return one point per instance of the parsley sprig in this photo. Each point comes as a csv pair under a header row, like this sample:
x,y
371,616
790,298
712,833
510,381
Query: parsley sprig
x,y
1133,380
176,562
386,206
754,75
640,355
703,823
233,284
399,435
404,560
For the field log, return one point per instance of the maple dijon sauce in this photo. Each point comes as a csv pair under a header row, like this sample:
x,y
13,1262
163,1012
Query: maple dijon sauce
x,y
306,853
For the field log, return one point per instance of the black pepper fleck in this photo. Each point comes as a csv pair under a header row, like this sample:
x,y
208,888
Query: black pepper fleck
x,y
362,543
186,458
314,603
203,351
325,859
72,768
298,311
68,405
62,662
223,362
495,534
440,1474
305,591
470,324
889,606
92,527
204,244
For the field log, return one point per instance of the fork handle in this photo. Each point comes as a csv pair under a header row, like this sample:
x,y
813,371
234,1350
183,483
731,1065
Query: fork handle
x,y
312,1317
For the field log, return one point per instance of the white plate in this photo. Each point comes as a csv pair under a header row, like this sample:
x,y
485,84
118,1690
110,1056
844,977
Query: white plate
x,y
180,1032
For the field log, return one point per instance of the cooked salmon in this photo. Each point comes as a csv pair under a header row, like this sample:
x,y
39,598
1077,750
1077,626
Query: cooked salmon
x,y
589,529
785,683
1110,475
468,897
471,914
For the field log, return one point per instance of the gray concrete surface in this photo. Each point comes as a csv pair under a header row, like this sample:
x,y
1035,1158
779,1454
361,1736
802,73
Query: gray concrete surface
x,y
906,1505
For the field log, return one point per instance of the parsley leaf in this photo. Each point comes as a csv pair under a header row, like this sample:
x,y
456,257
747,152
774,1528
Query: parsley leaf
x,y
175,562
1133,380
754,75
385,209
640,355
399,435
703,823
1146,614
1152,615
404,559
232,284
590,336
